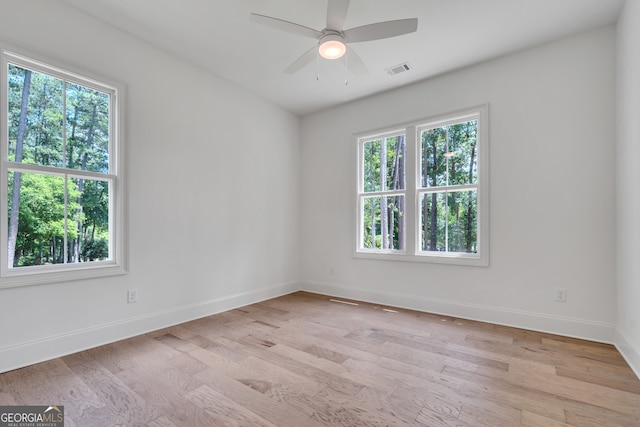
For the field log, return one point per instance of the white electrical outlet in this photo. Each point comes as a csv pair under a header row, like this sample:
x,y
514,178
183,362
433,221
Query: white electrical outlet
x,y
132,296
561,295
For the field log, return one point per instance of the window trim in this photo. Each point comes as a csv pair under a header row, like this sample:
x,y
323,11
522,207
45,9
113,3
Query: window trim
x,y
12,277
413,252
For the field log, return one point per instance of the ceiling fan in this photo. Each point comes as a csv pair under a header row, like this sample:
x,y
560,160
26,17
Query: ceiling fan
x,y
333,40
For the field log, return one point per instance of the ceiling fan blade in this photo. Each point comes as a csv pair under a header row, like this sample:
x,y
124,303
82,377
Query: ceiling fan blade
x,y
306,58
381,30
354,63
287,26
336,14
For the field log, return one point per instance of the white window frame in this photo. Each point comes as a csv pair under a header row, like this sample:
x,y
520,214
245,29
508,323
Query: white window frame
x,y
31,275
413,190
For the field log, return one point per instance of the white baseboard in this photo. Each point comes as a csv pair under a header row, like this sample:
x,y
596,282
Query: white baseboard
x,y
29,353
569,327
630,352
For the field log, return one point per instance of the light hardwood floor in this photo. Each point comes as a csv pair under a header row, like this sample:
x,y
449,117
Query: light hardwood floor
x,y
303,360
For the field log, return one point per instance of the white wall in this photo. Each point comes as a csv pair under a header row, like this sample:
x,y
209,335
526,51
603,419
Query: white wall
x,y
628,183
552,203
203,156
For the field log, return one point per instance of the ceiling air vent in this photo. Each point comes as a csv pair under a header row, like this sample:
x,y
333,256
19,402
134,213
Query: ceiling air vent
x,y
398,69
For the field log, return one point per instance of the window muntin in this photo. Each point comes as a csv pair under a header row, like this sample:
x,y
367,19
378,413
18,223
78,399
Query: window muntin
x,y
444,199
59,152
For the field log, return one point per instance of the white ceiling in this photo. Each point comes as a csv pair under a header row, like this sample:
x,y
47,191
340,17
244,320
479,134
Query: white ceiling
x,y
218,36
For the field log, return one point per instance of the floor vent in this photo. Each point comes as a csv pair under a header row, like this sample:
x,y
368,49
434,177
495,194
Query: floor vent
x,y
343,302
398,69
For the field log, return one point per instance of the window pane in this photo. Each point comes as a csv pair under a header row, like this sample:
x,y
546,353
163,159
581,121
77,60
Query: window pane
x,y
449,221
462,224
433,170
449,155
35,116
433,222
386,231
384,164
395,169
87,129
36,228
37,231
462,157
89,220
371,166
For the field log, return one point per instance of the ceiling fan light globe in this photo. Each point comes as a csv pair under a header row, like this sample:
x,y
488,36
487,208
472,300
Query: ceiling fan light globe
x,y
332,49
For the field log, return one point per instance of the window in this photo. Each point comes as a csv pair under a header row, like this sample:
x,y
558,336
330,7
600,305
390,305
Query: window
x,y
62,177
423,191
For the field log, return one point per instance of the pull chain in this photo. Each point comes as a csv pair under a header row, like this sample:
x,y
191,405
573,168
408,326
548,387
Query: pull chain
x,y
317,66
346,63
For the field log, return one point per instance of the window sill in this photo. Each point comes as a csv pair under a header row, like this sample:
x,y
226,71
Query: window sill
x,y
52,275
471,260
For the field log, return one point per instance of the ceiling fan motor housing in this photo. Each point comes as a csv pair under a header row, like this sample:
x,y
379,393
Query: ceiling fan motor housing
x,y
332,45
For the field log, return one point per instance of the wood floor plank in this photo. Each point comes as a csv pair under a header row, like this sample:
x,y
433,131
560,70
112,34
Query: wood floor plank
x,y
541,399
7,399
531,419
253,369
295,362
490,416
435,349
384,401
323,368
401,354
310,360
432,419
70,388
254,399
161,393
119,398
622,385
161,422
591,419
223,411
335,409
